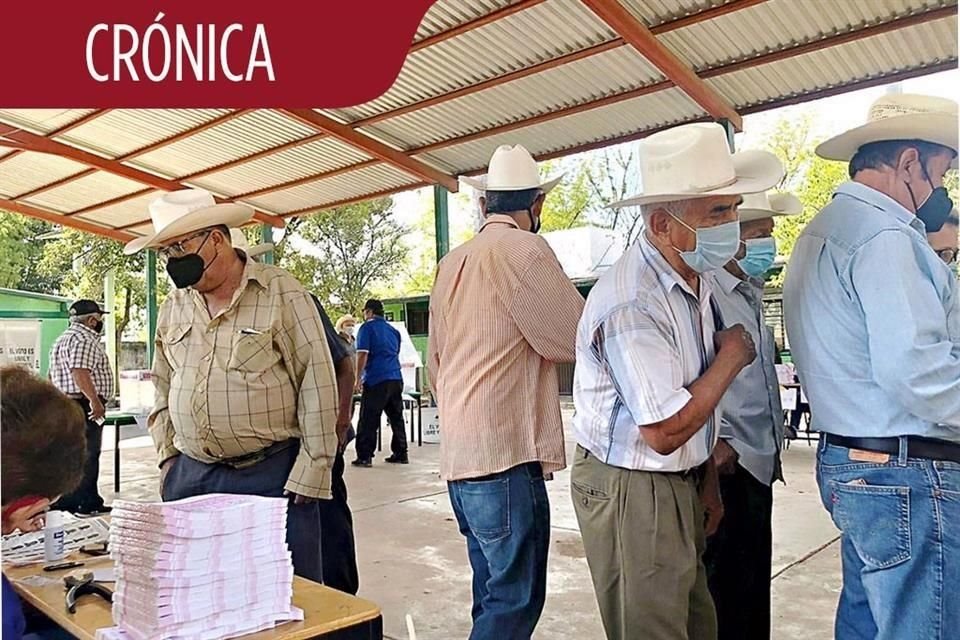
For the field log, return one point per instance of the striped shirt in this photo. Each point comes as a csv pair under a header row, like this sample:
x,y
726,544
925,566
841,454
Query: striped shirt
x,y
258,373
644,337
502,313
80,347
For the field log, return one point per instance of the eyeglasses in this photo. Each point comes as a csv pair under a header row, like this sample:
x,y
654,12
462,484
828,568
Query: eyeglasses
x,y
948,255
177,249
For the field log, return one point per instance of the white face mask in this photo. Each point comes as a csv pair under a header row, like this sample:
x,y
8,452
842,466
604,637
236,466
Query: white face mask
x,y
350,330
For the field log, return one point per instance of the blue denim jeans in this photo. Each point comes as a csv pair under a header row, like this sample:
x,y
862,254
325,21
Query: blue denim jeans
x,y
900,545
505,518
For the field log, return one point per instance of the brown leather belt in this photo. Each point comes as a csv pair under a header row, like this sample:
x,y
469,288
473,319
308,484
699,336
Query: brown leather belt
x,y
917,446
252,459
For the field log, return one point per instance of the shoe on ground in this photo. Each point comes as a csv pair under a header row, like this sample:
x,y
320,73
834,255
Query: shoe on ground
x,y
395,459
362,462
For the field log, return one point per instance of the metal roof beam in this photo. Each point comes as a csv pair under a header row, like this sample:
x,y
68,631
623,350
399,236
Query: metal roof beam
x,y
55,218
476,23
640,37
375,148
40,144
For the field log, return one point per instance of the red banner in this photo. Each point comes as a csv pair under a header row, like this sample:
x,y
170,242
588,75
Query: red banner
x,y
204,53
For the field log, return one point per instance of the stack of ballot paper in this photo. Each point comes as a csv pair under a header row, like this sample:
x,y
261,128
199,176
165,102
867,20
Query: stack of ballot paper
x,y
214,566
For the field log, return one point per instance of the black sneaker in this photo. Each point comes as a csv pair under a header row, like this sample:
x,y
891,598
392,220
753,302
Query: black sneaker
x,y
397,459
362,462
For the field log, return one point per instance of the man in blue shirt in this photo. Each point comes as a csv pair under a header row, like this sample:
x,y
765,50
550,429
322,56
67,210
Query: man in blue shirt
x,y
873,317
378,364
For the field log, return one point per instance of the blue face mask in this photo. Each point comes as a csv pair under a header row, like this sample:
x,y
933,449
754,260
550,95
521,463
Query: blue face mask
x,y
761,252
716,246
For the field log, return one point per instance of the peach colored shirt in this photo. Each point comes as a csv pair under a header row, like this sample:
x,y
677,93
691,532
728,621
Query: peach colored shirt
x,y
502,314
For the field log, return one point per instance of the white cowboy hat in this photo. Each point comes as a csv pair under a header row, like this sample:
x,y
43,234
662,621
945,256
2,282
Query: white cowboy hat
x,y
694,161
898,117
757,206
239,241
511,169
180,212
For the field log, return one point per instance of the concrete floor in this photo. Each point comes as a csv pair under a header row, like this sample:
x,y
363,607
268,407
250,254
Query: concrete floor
x,y
413,559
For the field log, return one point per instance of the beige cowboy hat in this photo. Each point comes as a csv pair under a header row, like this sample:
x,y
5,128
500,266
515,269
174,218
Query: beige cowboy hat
x,y
694,161
239,241
180,212
758,206
511,168
898,117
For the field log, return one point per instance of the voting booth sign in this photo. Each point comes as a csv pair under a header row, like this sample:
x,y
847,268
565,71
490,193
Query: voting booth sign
x,y
20,343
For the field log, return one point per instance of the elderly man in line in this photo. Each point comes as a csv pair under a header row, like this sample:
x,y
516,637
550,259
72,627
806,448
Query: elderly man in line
x,y
653,362
747,455
246,399
80,368
871,315
502,314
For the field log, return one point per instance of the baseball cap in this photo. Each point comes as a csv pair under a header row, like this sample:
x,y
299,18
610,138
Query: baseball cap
x,y
85,308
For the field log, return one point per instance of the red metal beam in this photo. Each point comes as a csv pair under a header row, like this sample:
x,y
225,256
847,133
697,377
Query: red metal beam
x,y
10,156
40,144
93,115
640,37
603,47
49,216
373,147
476,23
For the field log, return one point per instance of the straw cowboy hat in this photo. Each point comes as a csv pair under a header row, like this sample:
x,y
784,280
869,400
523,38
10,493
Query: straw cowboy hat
x,y
180,212
758,206
511,169
694,161
898,117
239,241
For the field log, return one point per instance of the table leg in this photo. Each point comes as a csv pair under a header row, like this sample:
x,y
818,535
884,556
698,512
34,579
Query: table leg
x,y
411,422
419,424
116,458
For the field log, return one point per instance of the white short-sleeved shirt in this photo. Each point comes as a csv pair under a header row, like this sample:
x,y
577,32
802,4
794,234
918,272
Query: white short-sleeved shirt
x,y
643,338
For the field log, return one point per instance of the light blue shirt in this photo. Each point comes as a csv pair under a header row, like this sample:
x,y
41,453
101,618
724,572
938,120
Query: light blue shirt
x,y
752,420
873,317
643,338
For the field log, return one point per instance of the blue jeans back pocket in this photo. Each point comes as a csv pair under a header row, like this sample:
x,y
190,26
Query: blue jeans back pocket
x,y
486,507
876,519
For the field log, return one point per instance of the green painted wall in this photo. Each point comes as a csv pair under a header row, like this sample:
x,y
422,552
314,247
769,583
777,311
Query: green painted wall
x,y
51,311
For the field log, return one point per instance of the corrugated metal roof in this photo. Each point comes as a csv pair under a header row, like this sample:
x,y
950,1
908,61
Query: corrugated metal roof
x,y
551,110
344,186
42,121
315,157
29,171
123,131
84,192
235,139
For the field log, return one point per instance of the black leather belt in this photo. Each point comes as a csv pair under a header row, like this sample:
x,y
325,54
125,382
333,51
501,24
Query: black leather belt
x,y
917,446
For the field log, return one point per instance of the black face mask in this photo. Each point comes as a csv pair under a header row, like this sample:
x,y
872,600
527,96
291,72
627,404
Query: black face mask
x,y
187,270
98,327
935,209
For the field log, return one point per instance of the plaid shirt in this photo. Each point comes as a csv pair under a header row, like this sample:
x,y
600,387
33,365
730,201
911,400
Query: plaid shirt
x,y
80,347
643,339
258,373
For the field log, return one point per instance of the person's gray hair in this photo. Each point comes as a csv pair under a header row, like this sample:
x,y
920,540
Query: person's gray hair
x,y
79,319
678,208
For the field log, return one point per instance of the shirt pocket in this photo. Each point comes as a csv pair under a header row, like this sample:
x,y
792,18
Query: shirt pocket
x,y
176,342
253,353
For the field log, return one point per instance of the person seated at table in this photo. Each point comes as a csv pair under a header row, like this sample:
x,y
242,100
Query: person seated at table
x,y
42,451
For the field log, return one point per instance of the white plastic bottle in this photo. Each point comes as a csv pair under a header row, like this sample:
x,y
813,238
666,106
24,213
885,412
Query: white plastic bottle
x,y
54,537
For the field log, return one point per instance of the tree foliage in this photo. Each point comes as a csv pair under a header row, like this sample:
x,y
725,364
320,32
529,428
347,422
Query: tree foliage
x,y
21,248
354,247
569,203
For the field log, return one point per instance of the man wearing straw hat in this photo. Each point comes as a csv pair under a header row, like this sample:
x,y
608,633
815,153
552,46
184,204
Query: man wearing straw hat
x,y
246,399
871,315
747,454
502,314
653,362
337,541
